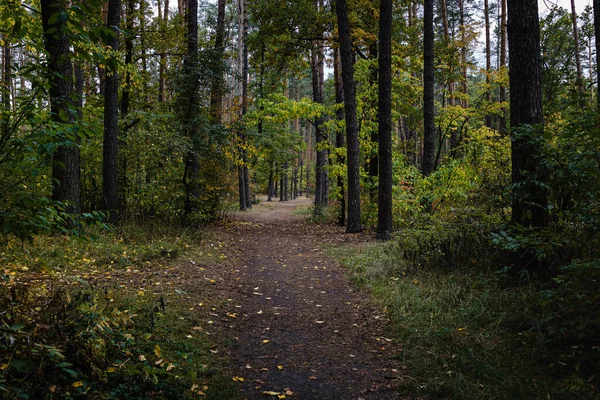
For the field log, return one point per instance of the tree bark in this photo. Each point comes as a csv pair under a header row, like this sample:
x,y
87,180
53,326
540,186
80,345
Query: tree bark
x,y
110,185
579,83
529,197
384,205
339,135
429,134
321,138
216,94
502,94
488,60
353,152
65,162
597,35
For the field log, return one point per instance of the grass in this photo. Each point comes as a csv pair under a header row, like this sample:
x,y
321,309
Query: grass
x,y
108,318
463,336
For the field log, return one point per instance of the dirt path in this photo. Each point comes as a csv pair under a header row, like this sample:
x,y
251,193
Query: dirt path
x,y
298,327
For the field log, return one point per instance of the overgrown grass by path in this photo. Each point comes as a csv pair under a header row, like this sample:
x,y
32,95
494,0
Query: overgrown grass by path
x,y
463,336
109,319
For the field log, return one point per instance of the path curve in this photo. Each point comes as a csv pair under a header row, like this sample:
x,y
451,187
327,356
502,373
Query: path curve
x,y
300,329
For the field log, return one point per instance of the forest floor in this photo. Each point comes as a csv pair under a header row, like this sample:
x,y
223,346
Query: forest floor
x,y
295,326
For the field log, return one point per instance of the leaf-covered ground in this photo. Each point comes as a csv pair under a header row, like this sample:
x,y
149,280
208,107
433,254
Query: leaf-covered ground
x,y
296,327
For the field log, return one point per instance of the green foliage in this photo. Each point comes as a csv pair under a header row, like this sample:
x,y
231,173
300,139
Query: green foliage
x,y
81,320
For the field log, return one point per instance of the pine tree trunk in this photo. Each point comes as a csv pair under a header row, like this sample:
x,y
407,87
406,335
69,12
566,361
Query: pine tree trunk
x,y
579,83
353,152
597,35
488,60
529,197
65,162
321,138
429,141
216,94
502,95
384,210
339,135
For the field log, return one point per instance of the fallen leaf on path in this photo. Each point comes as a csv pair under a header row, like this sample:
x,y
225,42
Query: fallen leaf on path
x,y
266,341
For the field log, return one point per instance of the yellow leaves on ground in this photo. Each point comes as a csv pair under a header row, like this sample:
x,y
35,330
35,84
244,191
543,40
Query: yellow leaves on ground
x,y
280,395
266,341
157,351
77,384
238,379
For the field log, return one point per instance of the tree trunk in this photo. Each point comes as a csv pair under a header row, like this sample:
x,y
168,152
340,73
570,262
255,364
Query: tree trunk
x,y
597,35
488,60
502,94
321,138
384,205
429,134
529,198
6,91
191,178
339,135
242,187
579,83
347,59
216,94
65,162
110,183
270,188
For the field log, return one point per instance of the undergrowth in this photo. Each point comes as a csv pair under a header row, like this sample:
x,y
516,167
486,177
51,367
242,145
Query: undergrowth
x,y
464,335
105,319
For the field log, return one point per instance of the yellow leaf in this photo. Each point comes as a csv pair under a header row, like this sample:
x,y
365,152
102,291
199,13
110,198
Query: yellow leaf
x,y
140,293
266,341
271,393
238,379
157,350
111,370
280,367
77,384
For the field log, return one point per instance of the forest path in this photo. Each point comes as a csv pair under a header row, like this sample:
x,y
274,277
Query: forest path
x,y
299,329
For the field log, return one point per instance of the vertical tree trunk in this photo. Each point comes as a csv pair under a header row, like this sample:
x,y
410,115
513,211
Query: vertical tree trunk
x,y
529,198
216,94
5,91
125,95
463,55
242,188
270,189
579,83
488,59
65,163
163,57
347,59
502,94
597,35
320,136
384,210
111,118
191,177
339,135
429,133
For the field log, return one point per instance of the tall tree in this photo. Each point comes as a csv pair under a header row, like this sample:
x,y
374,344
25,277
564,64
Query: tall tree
x,y
339,135
65,163
190,103
110,191
429,136
216,94
579,82
353,151
488,59
530,197
597,34
384,211
321,179
502,90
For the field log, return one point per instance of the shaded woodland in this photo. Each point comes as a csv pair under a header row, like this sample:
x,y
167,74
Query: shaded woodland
x,y
463,135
